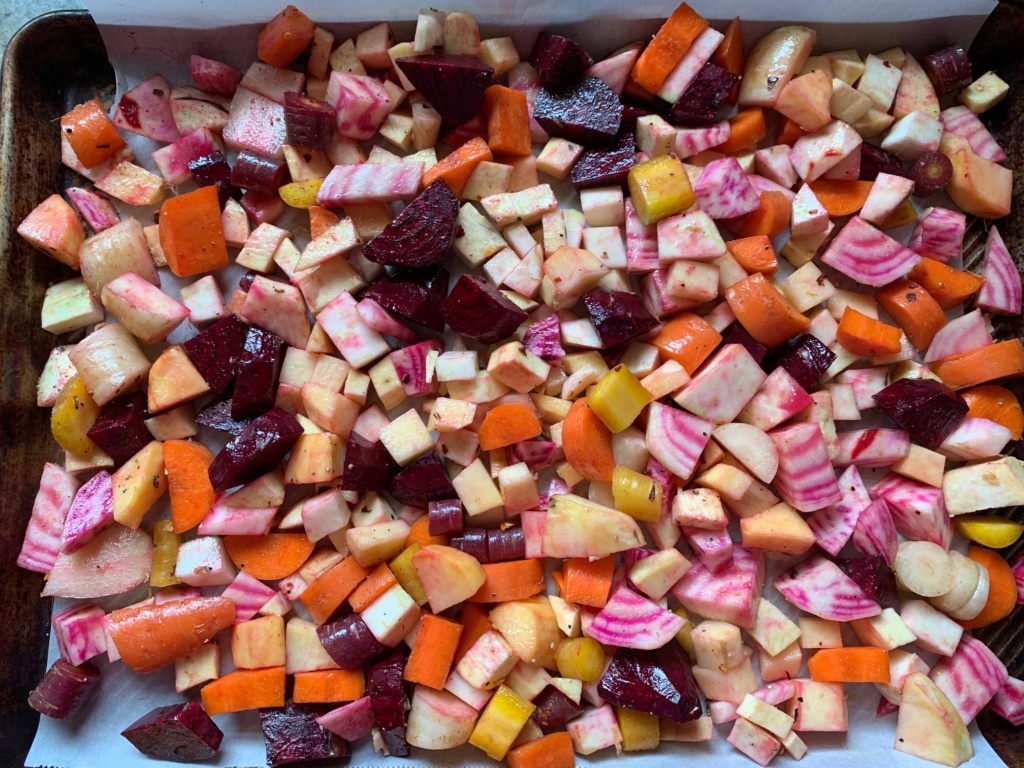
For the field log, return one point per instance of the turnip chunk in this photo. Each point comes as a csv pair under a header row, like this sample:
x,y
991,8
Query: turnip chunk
x,y
279,308
819,587
358,343
774,163
351,721
99,213
117,560
939,234
868,255
875,532
1008,702
805,479
691,236
975,439
438,720
816,153
918,510
835,524
751,446
676,438
762,185
872,447
705,396
960,121
693,141
375,183
631,621
41,546
970,677
146,110
731,595
91,512
145,310
1001,293
723,191
962,334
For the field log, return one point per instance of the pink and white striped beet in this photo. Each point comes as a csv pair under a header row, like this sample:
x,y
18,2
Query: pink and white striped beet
x,y
835,524
1001,291
41,546
631,621
805,479
819,587
970,678
868,255
676,438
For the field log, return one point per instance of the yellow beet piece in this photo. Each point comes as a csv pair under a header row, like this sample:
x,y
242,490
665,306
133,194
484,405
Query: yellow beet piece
x,y
990,531
73,414
685,635
300,194
660,188
403,569
138,484
618,398
636,494
502,720
581,658
165,555
640,731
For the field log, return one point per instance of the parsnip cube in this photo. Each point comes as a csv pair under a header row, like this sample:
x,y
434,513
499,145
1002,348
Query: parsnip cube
x,y
773,630
558,157
718,645
303,650
68,306
204,562
406,438
476,240
913,135
197,667
526,206
499,53
886,630
807,288
773,720
374,544
391,616
258,643
477,490
603,206
984,93
818,633
988,485
449,415
568,274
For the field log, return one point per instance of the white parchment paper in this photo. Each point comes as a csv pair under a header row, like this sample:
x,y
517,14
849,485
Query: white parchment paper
x,y
146,38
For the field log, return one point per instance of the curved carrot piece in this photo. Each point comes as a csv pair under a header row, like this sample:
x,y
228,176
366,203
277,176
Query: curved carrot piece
x,y
865,336
514,580
245,689
1002,360
755,254
770,219
149,637
914,310
853,664
668,47
285,37
997,404
475,624
1002,590
841,197
587,443
419,533
379,581
729,54
789,132
433,651
948,286
688,339
323,597
507,424
91,134
764,312
188,482
269,557
588,582
551,751
459,165
329,686
746,128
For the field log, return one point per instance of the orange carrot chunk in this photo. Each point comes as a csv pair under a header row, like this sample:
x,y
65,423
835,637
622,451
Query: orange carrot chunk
x,y
668,47
788,132
947,285
755,254
1002,360
865,336
841,197
508,121
507,424
419,533
433,652
91,134
746,128
320,220
997,404
914,310
326,594
588,582
459,165
763,311
269,557
729,54
329,686
1002,590
514,580
245,689
475,624
192,233
285,37
551,751
187,464
587,443
379,581
770,219
688,339
853,664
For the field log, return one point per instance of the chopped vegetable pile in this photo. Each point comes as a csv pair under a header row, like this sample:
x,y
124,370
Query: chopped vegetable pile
x,y
513,470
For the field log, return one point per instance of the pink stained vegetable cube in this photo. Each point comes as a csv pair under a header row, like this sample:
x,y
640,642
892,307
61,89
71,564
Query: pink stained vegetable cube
x,y
91,511
357,184
970,678
641,242
868,255
249,595
81,632
705,396
818,152
731,595
53,501
714,549
1008,702
1001,293
723,191
939,234
754,742
255,123
595,730
918,511
691,236
214,76
278,308
819,587
631,621
361,103
774,163
693,141
779,398
350,721
146,110
172,161
818,707
805,478
99,213
872,447
835,524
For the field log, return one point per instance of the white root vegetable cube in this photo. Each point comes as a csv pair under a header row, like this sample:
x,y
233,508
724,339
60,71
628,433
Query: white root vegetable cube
x,y
603,207
929,725
818,633
336,240
718,645
887,193
913,135
204,301
808,216
197,667
774,164
373,544
458,687
500,54
667,378
579,332
773,630
605,242
56,373
477,490
386,383
204,562
517,367
879,82
569,273
553,233
115,251
987,485
754,742
558,157
847,103
488,661
55,229
595,730
457,366
391,616
145,310
173,380
358,343
476,240
887,630
258,643
449,415
784,666
799,250
487,179
518,488
760,713
692,236
934,631
526,206
901,665
818,707
777,529
657,574
795,746
806,100
847,65
407,438
818,152
807,288
372,510
728,480
693,280
69,305
654,136
699,508
984,93
528,680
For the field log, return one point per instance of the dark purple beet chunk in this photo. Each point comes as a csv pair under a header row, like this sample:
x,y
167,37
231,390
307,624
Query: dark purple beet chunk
x,y
445,516
212,170
506,544
308,122
258,369
217,415
875,160
255,450
368,466
421,234
554,710
387,695
737,334
181,733
415,295
558,59
64,689
927,409
587,112
606,166
216,351
246,280
261,207
254,171
804,357
703,98
630,114
453,85
544,339
293,735
476,309
349,642
120,430
473,541
874,576
617,315
422,482
948,69
658,682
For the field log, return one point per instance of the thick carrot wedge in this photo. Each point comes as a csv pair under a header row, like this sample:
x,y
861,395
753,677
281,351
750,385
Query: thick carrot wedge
x,y
245,689
763,311
515,580
914,309
507,424
588,443
459,165
328,686
841,197
433,652
997,404
269,557
729,55
379,581
475,624
688,339
746,128
856,664
551,751
419,533
187,464
755,254
320,220
192,233
325,595
1003,360
865,336
947,285
588,582
668,47
788,132
770,219
508,121
91,134
285,37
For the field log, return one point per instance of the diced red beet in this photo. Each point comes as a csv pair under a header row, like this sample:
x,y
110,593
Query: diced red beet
x,y
875,533
703,98
421,234
445,517
931,173
368,466
387,695
558,59
212,170
536,454
875,160
246,280
258,369
607,166
64,689
256,450
415,295
216,351
885,707
874,576
948,69
554,709
217,415
474,298
630,114
308,122
804,357
349,642
181,733
120,429
472,541
544,339
587,112
422,482
453,85
293,735
506,544
927,409
618,316
256,172
737,334
659,682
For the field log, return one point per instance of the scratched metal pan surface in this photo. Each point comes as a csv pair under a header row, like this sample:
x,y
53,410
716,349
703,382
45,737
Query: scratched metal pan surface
x,y
58,61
